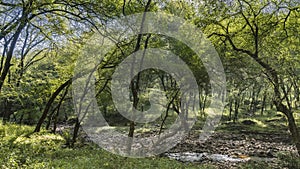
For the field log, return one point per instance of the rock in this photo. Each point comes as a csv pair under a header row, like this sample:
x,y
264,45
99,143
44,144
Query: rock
x,y
248,122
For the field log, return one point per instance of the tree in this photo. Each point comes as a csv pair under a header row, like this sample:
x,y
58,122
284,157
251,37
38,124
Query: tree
x,y
34,30
47,20
257,29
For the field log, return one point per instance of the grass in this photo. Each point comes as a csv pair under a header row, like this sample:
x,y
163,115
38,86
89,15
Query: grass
x,y
289,160
269,122
255,165
19,148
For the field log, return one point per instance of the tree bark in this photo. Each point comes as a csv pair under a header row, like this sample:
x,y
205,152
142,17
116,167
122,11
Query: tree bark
x,y
230,109
21,25
49,103
263,104
9,55
75,132
291,123
58,109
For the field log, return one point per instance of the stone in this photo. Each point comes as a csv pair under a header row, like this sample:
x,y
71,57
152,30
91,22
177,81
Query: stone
x,y
248,122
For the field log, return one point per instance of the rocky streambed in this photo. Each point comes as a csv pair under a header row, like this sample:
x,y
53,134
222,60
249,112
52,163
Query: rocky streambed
x,y
229,150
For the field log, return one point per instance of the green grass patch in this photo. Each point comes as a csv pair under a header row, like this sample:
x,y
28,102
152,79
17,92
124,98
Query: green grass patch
x,y
270,123
289,160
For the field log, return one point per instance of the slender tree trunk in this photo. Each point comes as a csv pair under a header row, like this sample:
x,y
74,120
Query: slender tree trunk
x,y
50,118
204,104
263,104
236,109
10,52
5,112
167,112
58,109
135,85
230,110
3,54
75,132
49,103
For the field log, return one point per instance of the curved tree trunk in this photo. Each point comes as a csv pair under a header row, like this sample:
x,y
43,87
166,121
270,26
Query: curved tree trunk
x,y
58,109
291,123
49,103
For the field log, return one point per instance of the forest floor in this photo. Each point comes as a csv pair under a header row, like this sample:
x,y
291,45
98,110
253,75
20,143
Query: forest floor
x,y
260,142
240,143
265,144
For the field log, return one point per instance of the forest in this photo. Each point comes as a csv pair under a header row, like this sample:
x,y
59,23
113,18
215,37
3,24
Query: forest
x,y
150,84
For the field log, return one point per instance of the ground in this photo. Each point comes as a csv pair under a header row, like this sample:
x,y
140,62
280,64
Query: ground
x,y
264,144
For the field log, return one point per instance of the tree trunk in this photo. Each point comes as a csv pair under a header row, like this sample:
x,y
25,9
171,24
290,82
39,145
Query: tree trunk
x,y
135,85
10,52
263,104
230,110
4,120
49,103
58,109
236,109
50,118
291,123
75,133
